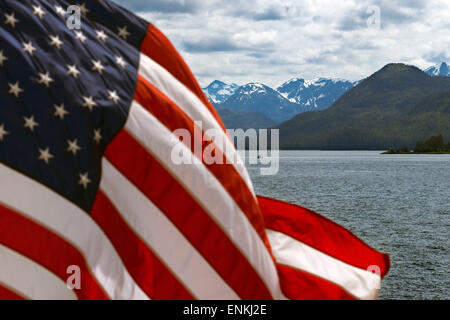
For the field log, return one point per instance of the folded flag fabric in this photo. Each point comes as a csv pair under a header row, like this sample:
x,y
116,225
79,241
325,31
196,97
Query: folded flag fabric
x,y
319,259
89,188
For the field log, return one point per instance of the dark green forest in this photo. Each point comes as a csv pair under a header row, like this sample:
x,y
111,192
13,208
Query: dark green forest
x,y
434,144
244,120
394,108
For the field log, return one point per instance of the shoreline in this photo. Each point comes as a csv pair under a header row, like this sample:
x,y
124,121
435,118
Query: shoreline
x,y
388,152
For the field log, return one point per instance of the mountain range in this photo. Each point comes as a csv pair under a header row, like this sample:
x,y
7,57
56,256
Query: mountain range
x,y
314,94
257,97
395,107
245,120
218,91
291,98
442,70
286,101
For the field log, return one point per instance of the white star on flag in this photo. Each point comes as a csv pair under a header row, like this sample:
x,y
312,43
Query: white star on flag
x,y
30,123
73,71
56,42
45,79
98,66
101,35
73,146
60,10
28,47
83,9
89,103
123,33
113,96
45,155
80,36
84,180
3,58
120,61
38,11
11,19
97,136
3,132
15,89
60,111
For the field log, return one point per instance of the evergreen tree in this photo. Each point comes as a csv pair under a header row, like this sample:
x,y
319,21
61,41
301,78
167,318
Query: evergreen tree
x,y
433,144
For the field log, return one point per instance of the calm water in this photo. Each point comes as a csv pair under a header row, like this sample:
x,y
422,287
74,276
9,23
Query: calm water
x,y
398,204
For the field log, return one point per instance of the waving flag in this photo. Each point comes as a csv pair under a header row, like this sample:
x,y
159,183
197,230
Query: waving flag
x,y
86,177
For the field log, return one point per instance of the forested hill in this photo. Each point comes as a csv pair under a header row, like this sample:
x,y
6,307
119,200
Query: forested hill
x,y
394,107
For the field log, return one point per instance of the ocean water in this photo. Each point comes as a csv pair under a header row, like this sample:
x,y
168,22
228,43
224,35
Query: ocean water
x,y
399,204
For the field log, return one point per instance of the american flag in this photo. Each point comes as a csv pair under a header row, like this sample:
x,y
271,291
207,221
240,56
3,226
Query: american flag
x,y
86,179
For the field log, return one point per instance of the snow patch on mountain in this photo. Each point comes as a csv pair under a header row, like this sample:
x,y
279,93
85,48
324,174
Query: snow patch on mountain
x,y
442,70
218,91
257,97
320,93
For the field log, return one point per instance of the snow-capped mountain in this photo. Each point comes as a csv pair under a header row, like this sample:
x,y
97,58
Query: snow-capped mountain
x,y
441,70
314,94
257,97
218,91
293,97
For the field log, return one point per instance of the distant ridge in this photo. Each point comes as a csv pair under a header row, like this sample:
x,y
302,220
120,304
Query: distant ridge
x,y
291,98
395,107
442,70
218,91
257,97
244,120
316,94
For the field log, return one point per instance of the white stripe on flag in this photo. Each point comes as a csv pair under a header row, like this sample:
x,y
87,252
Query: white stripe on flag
x,y
158,232
30,279
288,251
207,191
65,219
193,107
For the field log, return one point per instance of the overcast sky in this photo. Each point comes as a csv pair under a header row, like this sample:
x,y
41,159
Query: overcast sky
x,y
271,41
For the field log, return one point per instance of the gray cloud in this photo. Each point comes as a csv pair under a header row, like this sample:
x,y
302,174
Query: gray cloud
x,y
273,40
352,22
397,15
270,14
438,57
273,13
415,4
171,6
210,45
255,44
257,55
390,14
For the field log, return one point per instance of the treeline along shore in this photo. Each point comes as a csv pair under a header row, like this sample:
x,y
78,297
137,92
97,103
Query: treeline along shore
x,y
433,145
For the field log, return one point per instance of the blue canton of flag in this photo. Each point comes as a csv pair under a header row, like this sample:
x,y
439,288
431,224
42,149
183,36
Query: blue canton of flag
x,y
64,94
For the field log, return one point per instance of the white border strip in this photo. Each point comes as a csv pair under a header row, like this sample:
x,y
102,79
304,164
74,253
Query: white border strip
x,y
360,283
64,218
158,232
30,279
193,107
206,190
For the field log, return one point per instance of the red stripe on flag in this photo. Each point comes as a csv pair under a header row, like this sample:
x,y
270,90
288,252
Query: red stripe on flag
x,y
47,249
157,47
8,294
154,181
300,285
144,266
170,115
321,233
